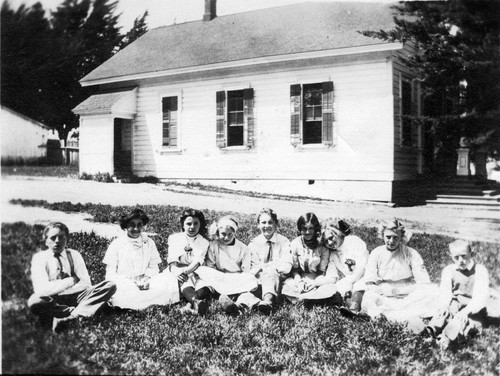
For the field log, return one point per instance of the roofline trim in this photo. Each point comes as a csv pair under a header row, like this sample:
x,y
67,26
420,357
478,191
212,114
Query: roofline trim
x,y
248,62
27,118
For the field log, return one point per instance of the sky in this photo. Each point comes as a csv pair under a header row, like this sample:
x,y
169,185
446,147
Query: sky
x,y
168,12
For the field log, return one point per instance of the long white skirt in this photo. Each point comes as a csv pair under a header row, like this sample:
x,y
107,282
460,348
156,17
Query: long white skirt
x,y
422,302
163,290
292,292
225,283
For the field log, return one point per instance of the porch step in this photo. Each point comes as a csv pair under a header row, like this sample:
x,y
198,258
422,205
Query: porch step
x,y
470,198
479,202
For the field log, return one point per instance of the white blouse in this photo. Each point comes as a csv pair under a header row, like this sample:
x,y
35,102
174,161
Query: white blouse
x,y
132,258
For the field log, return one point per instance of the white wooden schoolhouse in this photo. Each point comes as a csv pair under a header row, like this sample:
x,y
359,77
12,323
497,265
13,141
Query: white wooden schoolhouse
x,y
291,100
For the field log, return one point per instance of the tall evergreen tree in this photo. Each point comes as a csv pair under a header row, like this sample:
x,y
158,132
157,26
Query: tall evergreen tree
x,y
42,59
139,28
25,58
458,59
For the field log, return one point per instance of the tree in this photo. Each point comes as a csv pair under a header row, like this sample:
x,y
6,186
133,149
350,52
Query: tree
x,y
42,59
139,28
458,59
25,58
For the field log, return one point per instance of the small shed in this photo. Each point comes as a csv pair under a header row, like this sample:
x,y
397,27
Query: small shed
x,y
23,140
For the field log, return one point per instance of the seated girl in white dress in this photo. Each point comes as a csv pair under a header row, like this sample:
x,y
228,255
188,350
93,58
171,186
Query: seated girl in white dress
x,y
348,256
132,263
227,268
310,261
396,283
186,252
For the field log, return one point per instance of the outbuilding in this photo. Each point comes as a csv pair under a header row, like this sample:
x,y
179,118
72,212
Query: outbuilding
x,y
24,140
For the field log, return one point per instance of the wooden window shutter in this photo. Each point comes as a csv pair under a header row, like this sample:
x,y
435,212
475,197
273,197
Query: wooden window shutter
x,y
327,107
173,122
221,119
248,114
295,93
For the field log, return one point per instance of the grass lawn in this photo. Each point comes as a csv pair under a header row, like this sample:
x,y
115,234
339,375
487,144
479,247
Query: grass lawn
x,y
70,171
160,340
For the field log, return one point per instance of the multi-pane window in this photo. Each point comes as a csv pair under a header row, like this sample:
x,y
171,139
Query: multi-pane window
x,y
234,118
235,126
169,122
311,113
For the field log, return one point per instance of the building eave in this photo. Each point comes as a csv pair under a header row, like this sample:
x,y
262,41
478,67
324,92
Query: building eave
x,y
248,62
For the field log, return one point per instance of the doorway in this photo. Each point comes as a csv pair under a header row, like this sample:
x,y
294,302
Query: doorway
x,y
122,156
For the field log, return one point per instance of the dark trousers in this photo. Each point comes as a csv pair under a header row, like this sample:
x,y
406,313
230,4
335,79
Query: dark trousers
x,y
84,303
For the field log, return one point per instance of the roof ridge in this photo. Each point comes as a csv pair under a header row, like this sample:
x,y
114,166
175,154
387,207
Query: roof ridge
x,y
269,9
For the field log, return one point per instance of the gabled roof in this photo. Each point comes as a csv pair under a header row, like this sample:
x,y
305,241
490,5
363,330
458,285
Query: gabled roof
x,y
24,117
291,29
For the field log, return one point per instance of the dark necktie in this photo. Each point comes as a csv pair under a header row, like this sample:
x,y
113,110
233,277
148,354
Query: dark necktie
x,y
270,252
61,269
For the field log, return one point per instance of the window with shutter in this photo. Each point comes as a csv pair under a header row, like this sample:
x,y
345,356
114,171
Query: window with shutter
x,y
248,115
169,122
311,114
221,119
327,101
235,120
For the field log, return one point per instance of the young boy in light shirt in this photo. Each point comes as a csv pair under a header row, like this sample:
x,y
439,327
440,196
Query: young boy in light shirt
x,y
61,282
464,295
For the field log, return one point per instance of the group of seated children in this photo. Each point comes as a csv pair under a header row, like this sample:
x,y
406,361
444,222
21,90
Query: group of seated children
x,y
323,264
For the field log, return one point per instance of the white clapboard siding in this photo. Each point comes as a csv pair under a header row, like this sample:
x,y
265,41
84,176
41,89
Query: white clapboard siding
x,y
363,128
405,157
22,137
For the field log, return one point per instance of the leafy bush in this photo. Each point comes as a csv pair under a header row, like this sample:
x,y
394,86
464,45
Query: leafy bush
x,y
103,177
145,179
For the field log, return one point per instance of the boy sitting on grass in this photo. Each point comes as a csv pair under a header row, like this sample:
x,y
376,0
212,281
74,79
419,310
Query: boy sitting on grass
x,y
63,291
464,295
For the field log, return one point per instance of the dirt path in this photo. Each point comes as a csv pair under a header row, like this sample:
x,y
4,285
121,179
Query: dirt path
x,y
470,224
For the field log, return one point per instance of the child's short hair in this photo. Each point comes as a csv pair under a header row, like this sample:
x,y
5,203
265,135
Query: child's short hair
x,y
269,212
341,226
460,244
393,225
51,225
195,214
308,218
228,221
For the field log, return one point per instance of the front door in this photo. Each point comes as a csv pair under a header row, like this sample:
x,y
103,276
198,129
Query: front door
x,y
122,156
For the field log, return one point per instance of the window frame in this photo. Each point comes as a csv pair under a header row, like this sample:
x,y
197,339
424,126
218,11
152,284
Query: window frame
x,y
414,101
298,115
164,149
223,115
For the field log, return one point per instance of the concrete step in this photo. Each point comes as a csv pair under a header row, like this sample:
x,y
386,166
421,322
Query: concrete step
x,y
470,198
460,192
476,203
491,192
